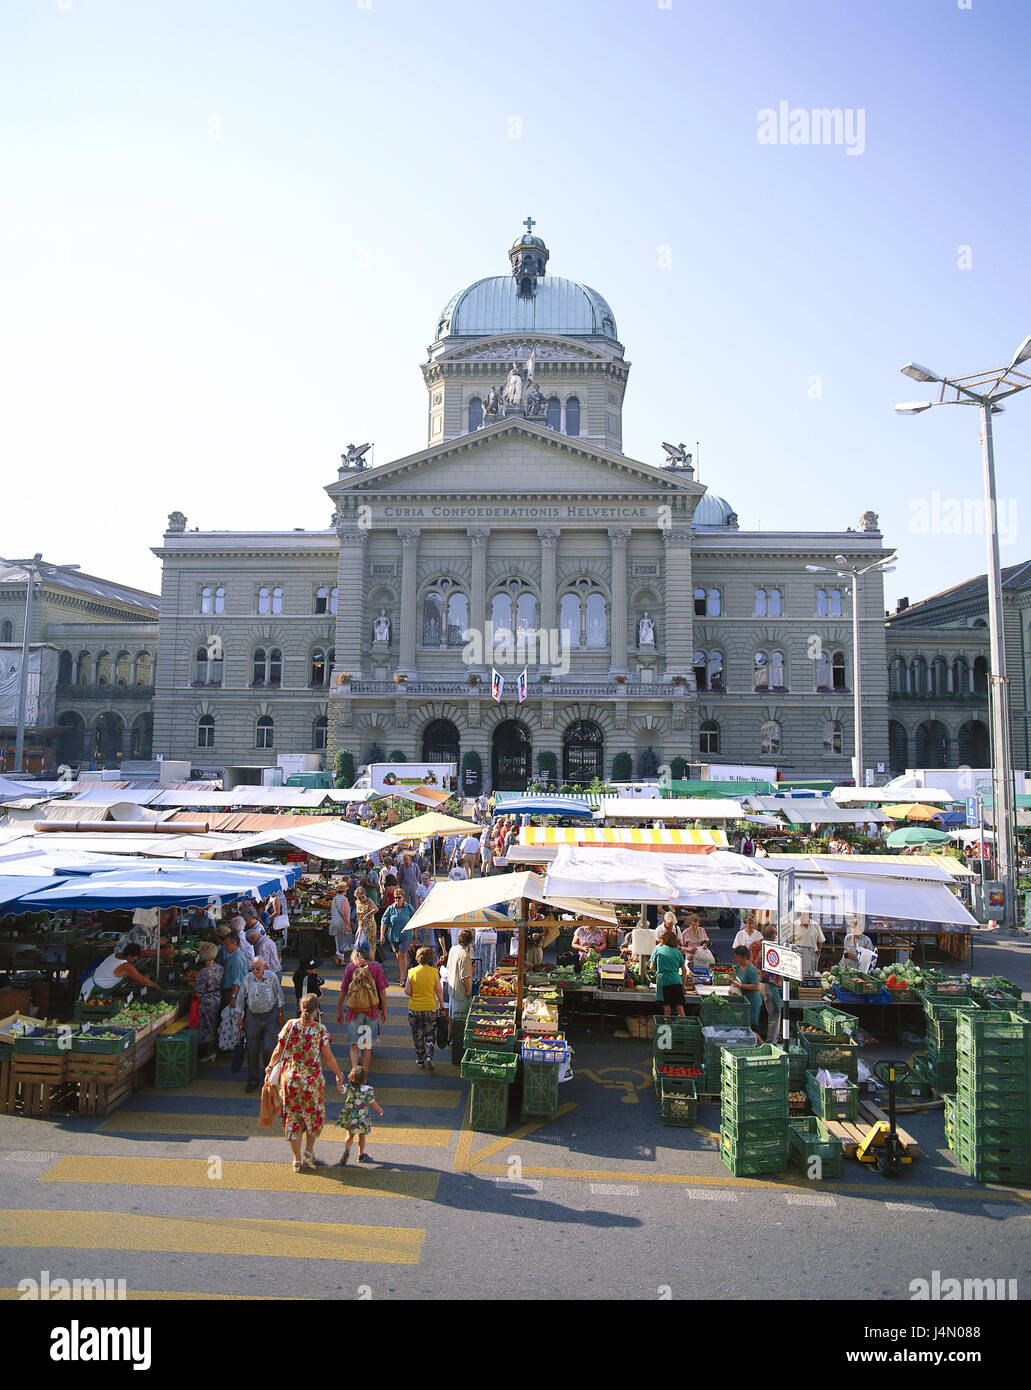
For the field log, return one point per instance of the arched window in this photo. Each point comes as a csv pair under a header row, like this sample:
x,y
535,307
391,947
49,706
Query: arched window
x,y
7,631
774,603
569,619
918,675
898,746
475,414
322,599
761,603
896,676
714,603
432,620
778,680
699,603
264,732
838,681
932,745
597,634
264,600
582,752
822,607
202,672
701,674
82,669
526,615
275,667
836,608
961,678
769,737
716,671
457,619
708,737
973,744
832,736
267,667
65,669
573,416
980,676
213,598
260,666
760,671
319,733
123,668
206,731
333,593
141,669
939,676
102,674
277,600
319,669
501,617
554,413
440,742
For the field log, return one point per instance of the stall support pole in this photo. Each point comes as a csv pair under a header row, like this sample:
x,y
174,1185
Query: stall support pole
x,y
521,966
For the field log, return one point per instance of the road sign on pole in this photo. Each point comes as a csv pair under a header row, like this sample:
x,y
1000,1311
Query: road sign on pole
x,y
972,814
782,960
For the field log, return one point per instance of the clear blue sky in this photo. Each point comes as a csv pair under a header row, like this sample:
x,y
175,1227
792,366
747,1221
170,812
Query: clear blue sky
x,y
228,230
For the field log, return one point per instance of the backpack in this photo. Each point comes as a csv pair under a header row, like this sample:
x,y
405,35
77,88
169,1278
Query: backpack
x,y
362,994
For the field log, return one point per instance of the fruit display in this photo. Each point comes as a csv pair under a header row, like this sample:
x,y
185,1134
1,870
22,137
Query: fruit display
x,y
666,1069
497,987
100,1001
139,1016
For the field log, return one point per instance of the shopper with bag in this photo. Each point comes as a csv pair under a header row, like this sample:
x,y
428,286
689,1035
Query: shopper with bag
x,y
260,1005
363,993
303,1049
396,932
426,1000
207,990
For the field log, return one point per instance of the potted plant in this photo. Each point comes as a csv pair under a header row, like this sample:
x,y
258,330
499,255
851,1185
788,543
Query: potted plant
x,y
545,678
620,680
473,678
343,678
679,680
399,677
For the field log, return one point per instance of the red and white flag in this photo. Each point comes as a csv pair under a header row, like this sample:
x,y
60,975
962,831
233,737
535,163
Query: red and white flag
x,y
521,682
497,684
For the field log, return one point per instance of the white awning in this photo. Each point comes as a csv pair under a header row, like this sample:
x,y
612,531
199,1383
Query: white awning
x,y
852,795
719,879
450,900
670,808
866,897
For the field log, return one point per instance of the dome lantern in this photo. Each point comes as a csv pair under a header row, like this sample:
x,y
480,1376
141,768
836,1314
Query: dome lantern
x,y
528,256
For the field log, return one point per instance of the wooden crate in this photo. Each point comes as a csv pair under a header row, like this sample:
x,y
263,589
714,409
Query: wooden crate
x,y
38,1086
104,1068
101,1097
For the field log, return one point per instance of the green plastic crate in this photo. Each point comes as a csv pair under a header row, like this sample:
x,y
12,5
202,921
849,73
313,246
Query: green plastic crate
x,y
943,1005
678,1101
474,1037
47,1042
834,1022
808,1138
85,1042
832,1102
672,1033
971,1077
743,1110
489,1064
998,1026
770,1158
718,1008
540,1089
837,1054
175,1064
753,1129
489,1106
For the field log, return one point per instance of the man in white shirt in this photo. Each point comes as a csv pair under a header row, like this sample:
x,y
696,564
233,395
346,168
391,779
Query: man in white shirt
x,y
807,938
265,950
749,935
471,853
238,925
458,873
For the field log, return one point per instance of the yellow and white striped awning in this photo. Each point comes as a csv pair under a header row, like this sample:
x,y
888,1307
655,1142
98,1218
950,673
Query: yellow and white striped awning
x,y
954,867
684,840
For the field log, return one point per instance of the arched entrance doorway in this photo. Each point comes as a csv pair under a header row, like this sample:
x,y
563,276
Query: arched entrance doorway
x,y
510,752
142,735
440,742
932,745
973,744
70,739
582,752
108,737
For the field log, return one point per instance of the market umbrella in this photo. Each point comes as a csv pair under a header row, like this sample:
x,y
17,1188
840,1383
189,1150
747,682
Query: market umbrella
x,y
916,835
432,823
146,888
910,810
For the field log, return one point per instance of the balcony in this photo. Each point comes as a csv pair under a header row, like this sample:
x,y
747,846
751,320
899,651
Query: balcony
x,y
941,697
105,692
536,690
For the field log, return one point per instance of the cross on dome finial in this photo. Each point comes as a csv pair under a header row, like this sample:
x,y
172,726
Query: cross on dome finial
x,y
529,224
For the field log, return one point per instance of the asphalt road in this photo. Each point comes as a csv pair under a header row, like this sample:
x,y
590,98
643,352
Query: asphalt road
x,y
180,1194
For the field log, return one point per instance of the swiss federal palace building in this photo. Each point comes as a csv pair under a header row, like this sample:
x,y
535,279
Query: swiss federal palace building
x,y
521,536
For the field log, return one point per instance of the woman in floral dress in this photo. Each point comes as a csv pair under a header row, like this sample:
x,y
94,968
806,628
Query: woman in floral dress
x,y
303,1047
365,910
207,989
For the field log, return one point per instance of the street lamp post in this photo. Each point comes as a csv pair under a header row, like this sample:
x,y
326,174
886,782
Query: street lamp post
x,y
988,390
853,572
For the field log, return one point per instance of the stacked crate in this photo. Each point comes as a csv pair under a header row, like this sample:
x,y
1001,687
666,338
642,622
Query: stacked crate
x,y
101,1069
991,1115
941,1012
734,1036
754,1117
809,1139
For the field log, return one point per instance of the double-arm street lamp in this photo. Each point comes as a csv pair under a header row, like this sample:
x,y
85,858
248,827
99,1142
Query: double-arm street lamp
x,y
988,390
855,573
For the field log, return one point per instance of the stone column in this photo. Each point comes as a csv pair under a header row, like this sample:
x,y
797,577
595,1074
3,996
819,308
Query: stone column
x,y
548,537
619,538
409,538
478,538
350,624
678,604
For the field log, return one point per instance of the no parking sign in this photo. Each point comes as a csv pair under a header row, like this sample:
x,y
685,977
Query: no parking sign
x,y
782,960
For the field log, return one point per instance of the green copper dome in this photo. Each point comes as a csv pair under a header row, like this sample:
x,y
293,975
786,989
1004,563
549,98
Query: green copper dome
x,y
494,306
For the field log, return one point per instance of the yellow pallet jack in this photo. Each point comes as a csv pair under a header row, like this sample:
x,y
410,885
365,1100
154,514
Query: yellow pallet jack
x,y
882,1144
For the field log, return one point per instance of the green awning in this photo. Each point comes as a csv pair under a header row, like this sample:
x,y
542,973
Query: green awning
x,y
691,787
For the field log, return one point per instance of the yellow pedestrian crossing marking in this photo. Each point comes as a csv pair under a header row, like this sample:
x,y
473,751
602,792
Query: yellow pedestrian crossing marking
x,y
466,1159
354,1180
193,1235
397,1066
234,1090
244,1126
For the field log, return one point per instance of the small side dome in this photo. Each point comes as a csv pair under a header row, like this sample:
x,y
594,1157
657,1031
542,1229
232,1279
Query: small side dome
x,y
714,510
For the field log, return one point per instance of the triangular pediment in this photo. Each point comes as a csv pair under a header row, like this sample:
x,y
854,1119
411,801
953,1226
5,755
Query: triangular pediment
x,y
515,456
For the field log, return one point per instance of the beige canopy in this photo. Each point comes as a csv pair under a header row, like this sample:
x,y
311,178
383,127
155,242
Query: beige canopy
x,y
432,823
451,900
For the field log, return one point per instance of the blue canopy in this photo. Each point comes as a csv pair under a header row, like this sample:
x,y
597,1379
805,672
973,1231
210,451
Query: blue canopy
x,y
13,887
543,806
178,884
949,818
